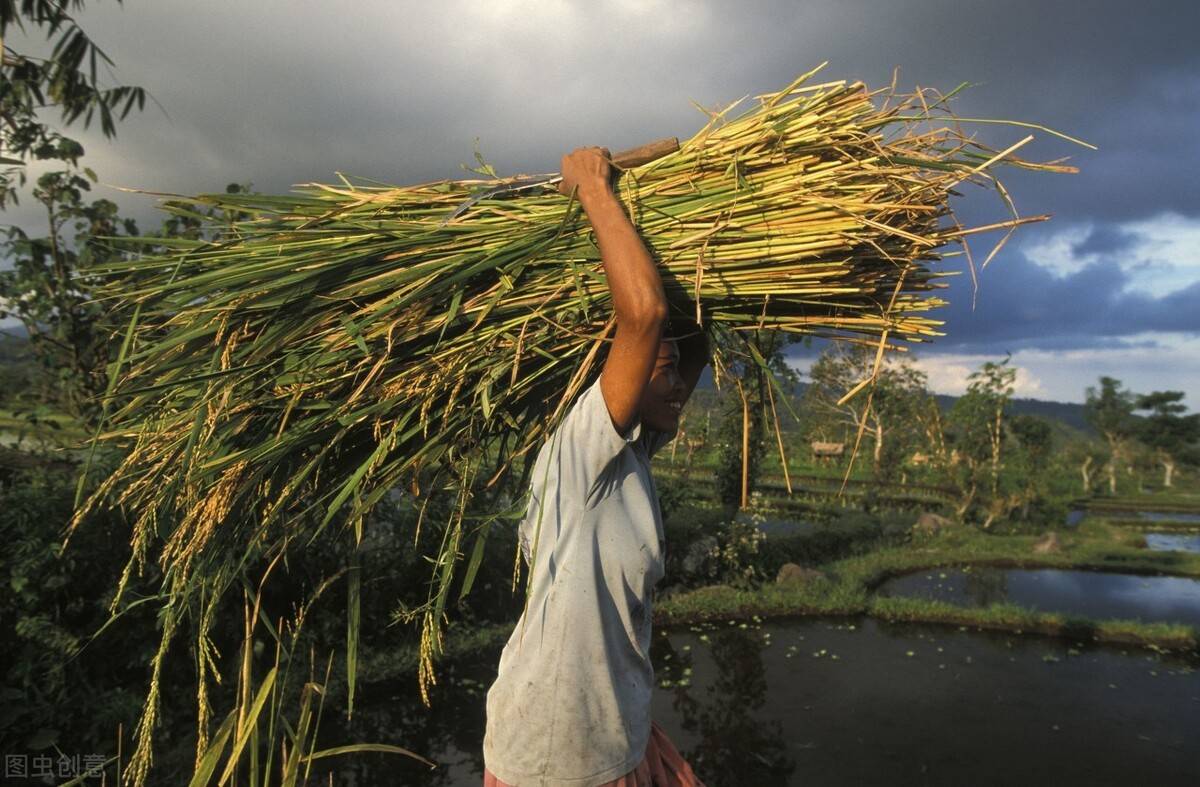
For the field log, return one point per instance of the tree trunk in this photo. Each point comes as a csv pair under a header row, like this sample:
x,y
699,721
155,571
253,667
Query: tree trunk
x,y
1085,470
1168,471
1112,478
965,504
997,436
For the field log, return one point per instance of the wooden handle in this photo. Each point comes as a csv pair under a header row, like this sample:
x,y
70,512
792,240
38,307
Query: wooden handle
x,y
644,154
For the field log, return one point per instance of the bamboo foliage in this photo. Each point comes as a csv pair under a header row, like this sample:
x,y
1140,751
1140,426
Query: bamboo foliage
x,y
346,340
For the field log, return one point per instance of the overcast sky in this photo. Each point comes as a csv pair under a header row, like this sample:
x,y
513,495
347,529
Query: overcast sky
x,y
277,92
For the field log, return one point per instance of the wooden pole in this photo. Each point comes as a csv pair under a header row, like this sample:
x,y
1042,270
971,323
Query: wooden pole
x,y
745,445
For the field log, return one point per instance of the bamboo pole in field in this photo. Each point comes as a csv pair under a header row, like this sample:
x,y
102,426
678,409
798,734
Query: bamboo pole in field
x,y
745,445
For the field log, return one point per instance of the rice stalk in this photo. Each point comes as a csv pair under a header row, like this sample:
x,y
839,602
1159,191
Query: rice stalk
x,y
346,340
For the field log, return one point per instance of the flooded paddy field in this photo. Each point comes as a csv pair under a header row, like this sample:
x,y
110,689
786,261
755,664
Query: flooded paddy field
x,y
851,701
1173,542
1187,519
1090,594
1168,516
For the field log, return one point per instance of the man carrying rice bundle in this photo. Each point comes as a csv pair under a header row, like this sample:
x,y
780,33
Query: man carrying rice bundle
x,y
571,703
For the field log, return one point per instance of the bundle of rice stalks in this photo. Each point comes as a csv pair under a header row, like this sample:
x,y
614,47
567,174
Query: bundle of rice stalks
x,y
343,341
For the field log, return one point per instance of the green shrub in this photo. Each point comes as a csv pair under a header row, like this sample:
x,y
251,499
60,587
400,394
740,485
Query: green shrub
x,y
852,532
708,546
56,690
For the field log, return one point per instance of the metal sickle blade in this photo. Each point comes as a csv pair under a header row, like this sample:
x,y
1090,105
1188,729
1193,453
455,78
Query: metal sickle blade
x,y
517,184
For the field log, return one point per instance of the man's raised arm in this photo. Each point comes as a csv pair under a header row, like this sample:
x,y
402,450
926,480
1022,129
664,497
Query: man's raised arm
x,y
638,299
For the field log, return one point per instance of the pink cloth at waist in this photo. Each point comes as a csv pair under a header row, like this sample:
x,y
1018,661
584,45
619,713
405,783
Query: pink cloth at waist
x,y
662,766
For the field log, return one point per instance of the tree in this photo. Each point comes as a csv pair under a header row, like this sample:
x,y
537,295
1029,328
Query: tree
x,y
1034,434
1086,454
48,287
1167,431
49,291
67,80
1035,437
740,437
745,417
1109,410
977,435
885,412
900,390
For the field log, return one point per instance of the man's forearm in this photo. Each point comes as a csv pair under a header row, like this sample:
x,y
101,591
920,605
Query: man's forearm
x,y
633,278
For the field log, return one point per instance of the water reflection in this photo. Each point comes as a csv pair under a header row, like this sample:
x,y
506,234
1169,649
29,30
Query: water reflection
x,y
1086,593
1077,515
816,702
733,745
450,732
985,588
1169,516
859,702
1173,542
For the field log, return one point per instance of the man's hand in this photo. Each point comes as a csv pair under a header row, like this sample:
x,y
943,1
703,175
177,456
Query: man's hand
x,y
589,169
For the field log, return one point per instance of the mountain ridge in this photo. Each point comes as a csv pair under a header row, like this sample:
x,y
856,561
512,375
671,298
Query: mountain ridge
x,y
1071,414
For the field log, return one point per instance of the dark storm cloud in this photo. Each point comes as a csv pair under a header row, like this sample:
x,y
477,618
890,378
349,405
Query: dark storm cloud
x,y
282,92
1021,305
1104,240
277,92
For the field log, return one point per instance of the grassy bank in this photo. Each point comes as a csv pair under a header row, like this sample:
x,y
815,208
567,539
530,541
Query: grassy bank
x,y
1144,525
848,584
1165,502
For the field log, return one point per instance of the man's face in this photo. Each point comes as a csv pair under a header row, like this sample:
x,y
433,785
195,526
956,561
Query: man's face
x,y
665,395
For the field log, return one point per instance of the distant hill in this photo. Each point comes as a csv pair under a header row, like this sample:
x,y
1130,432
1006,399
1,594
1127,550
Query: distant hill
x,y
14,346
1066,413
11,329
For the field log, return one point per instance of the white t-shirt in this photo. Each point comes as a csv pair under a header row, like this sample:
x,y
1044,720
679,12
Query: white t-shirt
x,y
571,703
